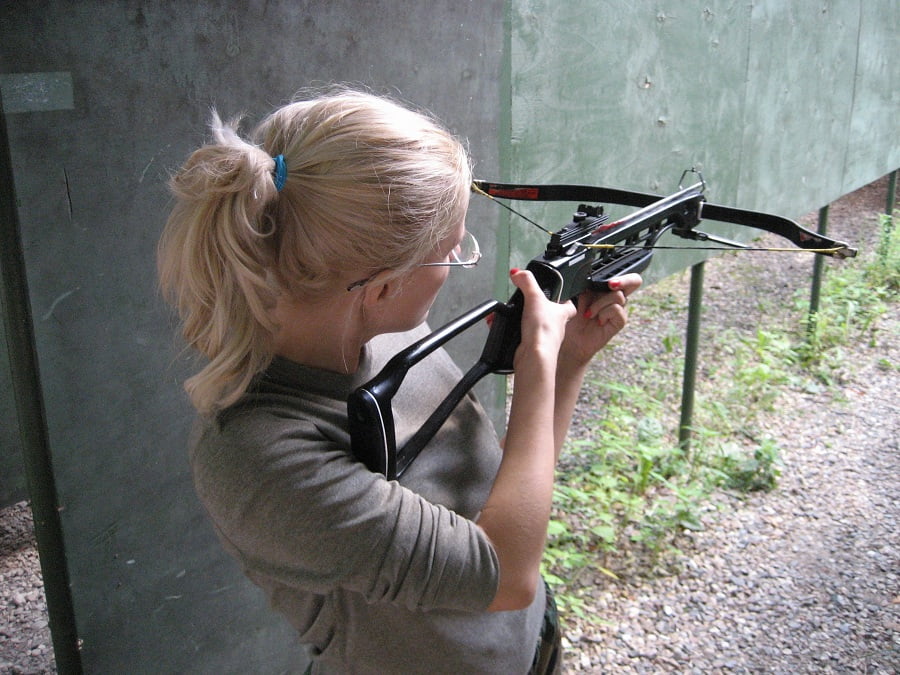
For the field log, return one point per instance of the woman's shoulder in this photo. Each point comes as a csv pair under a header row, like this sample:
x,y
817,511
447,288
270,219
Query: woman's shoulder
x,y
274,414
384,346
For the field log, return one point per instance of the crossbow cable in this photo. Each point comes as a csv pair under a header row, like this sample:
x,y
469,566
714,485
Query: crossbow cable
x,y
369,409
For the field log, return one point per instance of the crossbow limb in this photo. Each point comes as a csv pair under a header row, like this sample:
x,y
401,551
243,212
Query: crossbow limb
x,y
805,239
583,255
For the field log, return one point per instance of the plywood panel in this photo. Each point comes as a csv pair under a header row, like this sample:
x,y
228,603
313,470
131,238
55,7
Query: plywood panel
x,y
785,106
874,127
626,95
800,79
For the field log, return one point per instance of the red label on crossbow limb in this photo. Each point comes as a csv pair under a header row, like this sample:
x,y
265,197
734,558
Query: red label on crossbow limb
x,y
514,193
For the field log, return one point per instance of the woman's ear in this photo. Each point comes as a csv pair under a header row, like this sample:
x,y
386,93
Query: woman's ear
x,y
375,304
380,288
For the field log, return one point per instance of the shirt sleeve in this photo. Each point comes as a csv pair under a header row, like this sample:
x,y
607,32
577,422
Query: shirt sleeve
x,y
293,506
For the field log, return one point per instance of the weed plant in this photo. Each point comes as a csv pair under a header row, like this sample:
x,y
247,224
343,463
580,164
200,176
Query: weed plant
x,y
857,298
626,491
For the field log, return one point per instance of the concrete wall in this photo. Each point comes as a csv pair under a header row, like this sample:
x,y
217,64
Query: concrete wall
x,y
104,99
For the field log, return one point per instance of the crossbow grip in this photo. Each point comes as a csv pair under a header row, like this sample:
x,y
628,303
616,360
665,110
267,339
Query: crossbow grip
x,y
506,327
559,286
504,336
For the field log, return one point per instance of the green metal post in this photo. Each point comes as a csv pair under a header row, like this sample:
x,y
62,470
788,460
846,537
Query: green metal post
x,y
891,193
817,277
692,341
32,423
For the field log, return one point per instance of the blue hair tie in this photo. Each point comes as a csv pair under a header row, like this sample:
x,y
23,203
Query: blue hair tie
x,y
280,172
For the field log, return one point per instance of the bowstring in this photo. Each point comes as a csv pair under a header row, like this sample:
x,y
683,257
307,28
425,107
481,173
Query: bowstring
x,y
795,249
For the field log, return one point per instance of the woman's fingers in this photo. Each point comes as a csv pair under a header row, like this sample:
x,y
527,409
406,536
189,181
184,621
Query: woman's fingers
x,y
605,306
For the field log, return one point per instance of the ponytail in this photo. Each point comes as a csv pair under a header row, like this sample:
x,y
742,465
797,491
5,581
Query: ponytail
x,y
347,182
213,260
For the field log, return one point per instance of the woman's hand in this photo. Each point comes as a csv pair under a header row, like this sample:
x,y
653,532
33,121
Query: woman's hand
x,y
600,316
543,321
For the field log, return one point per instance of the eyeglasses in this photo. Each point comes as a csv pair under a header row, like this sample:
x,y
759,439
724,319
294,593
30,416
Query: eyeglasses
x,y
466,254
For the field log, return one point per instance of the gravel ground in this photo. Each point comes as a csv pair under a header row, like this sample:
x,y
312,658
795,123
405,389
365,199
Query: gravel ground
x,y
803,579
25,645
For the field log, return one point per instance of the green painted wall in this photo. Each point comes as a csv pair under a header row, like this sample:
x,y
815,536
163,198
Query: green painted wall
x,y
12,470
785,106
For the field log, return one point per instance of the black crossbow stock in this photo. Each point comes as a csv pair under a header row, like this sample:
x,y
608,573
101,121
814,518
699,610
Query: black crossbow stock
x,y
584,255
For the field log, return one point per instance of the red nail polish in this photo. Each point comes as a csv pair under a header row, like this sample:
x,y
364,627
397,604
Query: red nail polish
x,y
513,271
614,285
587,314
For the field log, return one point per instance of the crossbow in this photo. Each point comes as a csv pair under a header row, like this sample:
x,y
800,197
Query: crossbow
x,y
585,254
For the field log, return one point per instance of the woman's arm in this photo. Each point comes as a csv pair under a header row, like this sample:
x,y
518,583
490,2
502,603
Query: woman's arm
x,y
550,364
517,510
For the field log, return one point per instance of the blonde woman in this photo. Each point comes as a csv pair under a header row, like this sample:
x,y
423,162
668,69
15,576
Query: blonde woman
x,y
299,261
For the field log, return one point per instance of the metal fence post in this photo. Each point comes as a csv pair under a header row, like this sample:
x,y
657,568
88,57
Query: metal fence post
x,y
817,277
891,193
692,341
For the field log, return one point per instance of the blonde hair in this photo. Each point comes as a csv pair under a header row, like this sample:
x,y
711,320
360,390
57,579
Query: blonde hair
x,y
371,186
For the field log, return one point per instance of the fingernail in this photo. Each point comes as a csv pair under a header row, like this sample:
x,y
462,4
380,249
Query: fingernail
x,y
587,314
489,319
513,271
614,285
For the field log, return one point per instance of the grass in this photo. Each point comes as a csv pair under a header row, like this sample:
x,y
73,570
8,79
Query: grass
x,y
626,491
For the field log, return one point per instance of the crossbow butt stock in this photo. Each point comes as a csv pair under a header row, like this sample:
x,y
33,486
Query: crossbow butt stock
x,y
369,412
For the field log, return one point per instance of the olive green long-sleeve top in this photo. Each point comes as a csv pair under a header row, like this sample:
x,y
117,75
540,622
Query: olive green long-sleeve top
x,y
376,576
